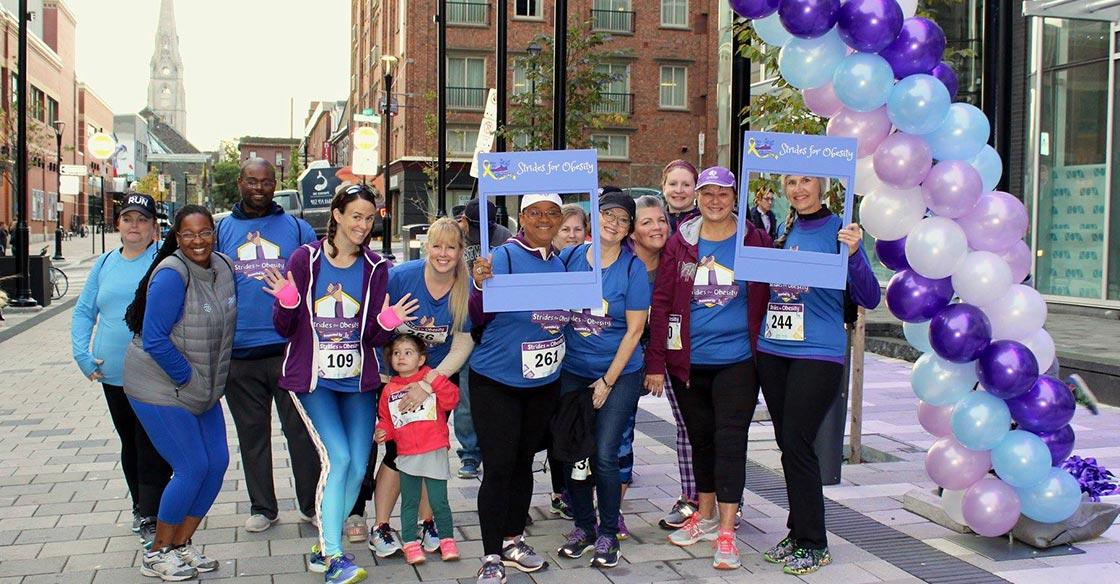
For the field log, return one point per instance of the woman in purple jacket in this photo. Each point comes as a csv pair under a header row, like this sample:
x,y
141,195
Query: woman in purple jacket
x,y
334,309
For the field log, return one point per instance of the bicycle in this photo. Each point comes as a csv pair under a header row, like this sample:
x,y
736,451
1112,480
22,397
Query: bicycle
x,y
60,284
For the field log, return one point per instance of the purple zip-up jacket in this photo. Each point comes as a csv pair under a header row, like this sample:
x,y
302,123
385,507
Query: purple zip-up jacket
x,y
298,371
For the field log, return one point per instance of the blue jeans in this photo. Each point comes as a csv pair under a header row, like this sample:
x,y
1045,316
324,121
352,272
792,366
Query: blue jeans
x,y
464,426
611,422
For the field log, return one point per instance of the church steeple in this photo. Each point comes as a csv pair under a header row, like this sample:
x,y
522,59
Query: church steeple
x,y
166,95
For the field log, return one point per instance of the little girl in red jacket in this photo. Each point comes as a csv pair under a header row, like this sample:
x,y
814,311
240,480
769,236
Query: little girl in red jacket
x,y
420,430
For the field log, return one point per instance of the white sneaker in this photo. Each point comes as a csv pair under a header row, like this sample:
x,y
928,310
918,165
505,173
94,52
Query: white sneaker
x,y
258,523
694,530
167,566
191,556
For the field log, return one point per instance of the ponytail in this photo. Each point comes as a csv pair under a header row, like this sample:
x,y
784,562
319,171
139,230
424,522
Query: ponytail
x,y
790,220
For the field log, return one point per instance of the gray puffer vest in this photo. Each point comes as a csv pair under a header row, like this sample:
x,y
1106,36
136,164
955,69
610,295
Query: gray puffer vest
x,y
204,335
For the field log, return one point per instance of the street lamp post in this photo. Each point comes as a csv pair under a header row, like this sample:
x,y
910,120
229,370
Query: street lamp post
x,y
387,62
534,50
23,289
59,128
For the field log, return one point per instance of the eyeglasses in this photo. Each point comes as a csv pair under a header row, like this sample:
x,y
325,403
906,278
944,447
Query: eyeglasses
x,y
203,235
252,182
769,199
537,213
619,220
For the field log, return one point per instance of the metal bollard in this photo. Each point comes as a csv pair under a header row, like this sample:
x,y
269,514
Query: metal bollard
x,y
58,233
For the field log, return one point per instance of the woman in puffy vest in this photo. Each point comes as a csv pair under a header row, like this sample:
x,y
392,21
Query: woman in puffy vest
x,y
175,370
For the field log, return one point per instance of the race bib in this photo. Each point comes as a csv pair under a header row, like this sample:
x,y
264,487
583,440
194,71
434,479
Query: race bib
x,y
541,358
785,322
426,412
674,342
339,360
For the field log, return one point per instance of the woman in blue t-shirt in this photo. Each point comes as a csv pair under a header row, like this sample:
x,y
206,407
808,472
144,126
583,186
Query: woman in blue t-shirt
x,y
603,358
801,363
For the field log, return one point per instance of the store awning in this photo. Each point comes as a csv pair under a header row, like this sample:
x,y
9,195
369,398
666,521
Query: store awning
x,y
1107,10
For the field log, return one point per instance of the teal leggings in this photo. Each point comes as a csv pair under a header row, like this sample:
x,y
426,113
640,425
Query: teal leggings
x,y
410,505
341,425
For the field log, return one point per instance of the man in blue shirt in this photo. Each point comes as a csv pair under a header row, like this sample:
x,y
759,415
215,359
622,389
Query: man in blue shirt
x,y
256,236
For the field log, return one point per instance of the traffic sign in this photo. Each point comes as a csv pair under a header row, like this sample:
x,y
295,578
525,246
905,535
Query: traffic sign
x,y
101,146
70,185
317,186
366,138
73,170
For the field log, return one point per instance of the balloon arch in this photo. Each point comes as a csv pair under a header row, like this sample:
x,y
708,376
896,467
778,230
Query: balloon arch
x,y
956,245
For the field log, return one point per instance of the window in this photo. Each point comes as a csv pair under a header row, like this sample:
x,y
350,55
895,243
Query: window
x,y
612,16
674,87
461,141
467,12
466,83
15,89
615,92
612,146
528,9
38,104
52,110
519,140
674,13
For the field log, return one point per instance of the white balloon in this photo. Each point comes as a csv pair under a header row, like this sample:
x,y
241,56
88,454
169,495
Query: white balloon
x,y
909,8
953,502
1017,314
936,247
1042,345
866,179
890,214
981,278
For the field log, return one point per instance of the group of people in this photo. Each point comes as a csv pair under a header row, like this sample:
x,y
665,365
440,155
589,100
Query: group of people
x,y
356,353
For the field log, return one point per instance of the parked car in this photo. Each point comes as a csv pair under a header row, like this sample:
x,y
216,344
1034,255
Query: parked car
x,y
317,217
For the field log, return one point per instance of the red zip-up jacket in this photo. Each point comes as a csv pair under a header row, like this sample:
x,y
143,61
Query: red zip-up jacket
x,y
419,436
672,294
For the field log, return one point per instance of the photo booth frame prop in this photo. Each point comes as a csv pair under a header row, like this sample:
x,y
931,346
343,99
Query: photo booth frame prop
x,y
797,154
549,171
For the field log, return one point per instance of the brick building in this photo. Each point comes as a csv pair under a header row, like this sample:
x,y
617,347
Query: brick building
x,y
275,150
666,91
94,116
320,131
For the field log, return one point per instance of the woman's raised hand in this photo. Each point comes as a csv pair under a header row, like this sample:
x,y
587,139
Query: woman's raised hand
x,y
275,281
851,236
404,306
481,271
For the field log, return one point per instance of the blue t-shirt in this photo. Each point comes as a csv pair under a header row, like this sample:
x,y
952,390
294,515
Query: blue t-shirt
x,y
802,321
718,317
593,336
338,299
522,349
433,316
253,245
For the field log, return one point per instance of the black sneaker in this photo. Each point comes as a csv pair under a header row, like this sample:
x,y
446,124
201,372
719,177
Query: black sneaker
x,y
579,542
147,532
678,515
806,561
607,552
560,507
136,519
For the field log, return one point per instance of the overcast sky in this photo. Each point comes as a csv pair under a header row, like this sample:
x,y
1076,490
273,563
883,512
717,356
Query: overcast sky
x,y
242,59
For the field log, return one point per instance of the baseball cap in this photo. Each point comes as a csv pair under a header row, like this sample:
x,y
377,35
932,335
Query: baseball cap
x,y
614,198
472,214
716,175
141,203
533,199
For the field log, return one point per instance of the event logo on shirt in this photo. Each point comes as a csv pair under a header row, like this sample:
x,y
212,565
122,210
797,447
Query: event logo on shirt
x,y
714,284
426,329
256,255
789,293
590,321
335,316
552,321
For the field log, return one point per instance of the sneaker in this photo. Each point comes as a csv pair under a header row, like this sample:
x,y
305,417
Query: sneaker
x,y
607,552
492,571
313,520
147,532
257,523
579,542
342,570
317,562
739,515
1082,394
192,556
448,550
726,554
806,561
678,515
355,529
623,532
522,556
780,553
382,542
694,530
166,565
414,553
560,507
136,519
429,537
469,469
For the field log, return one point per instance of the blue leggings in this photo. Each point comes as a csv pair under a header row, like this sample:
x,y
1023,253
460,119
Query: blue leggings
x,y
196,449
341,425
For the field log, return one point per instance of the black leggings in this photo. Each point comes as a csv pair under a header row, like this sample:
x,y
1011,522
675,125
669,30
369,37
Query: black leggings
x,y
717,406
809,386
511,423
145,471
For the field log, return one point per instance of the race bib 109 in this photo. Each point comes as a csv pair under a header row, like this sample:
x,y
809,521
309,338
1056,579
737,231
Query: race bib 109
x,y
339,360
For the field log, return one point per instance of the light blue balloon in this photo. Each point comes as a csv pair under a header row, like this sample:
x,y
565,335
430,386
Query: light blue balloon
x,y
989,165
917,334
863,81
1052,500
939,382
1021,459
961,136
809,63
771,31
918,104
981,420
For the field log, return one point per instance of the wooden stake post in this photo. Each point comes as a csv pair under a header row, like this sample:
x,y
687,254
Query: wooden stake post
x,y
859,340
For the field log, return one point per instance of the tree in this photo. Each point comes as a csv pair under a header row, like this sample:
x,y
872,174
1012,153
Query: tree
x,y
291,178
224,191
149,185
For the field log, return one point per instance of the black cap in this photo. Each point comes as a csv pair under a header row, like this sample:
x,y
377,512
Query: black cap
x,y
614,198
141,203
471,211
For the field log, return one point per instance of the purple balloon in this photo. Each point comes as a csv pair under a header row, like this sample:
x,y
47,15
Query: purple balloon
x,y
945,74
822,100
996,222
868,128
952,188
1060,442
990,507
903,160
936,420
754,8
1018,256
1006,369
1045,407
952,466
869,25
917,49
912,297
892,253
960,332
808,19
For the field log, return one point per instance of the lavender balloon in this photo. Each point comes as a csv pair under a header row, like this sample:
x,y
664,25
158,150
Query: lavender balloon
x,y
1060,442
944,73
892,253
952,466
868,128
754,8
902,160
952,188
822,100
869,26
990,507
996,222
912,297
1007,369
917,48
1018,257
808,19
935,420
1045,407
959,333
